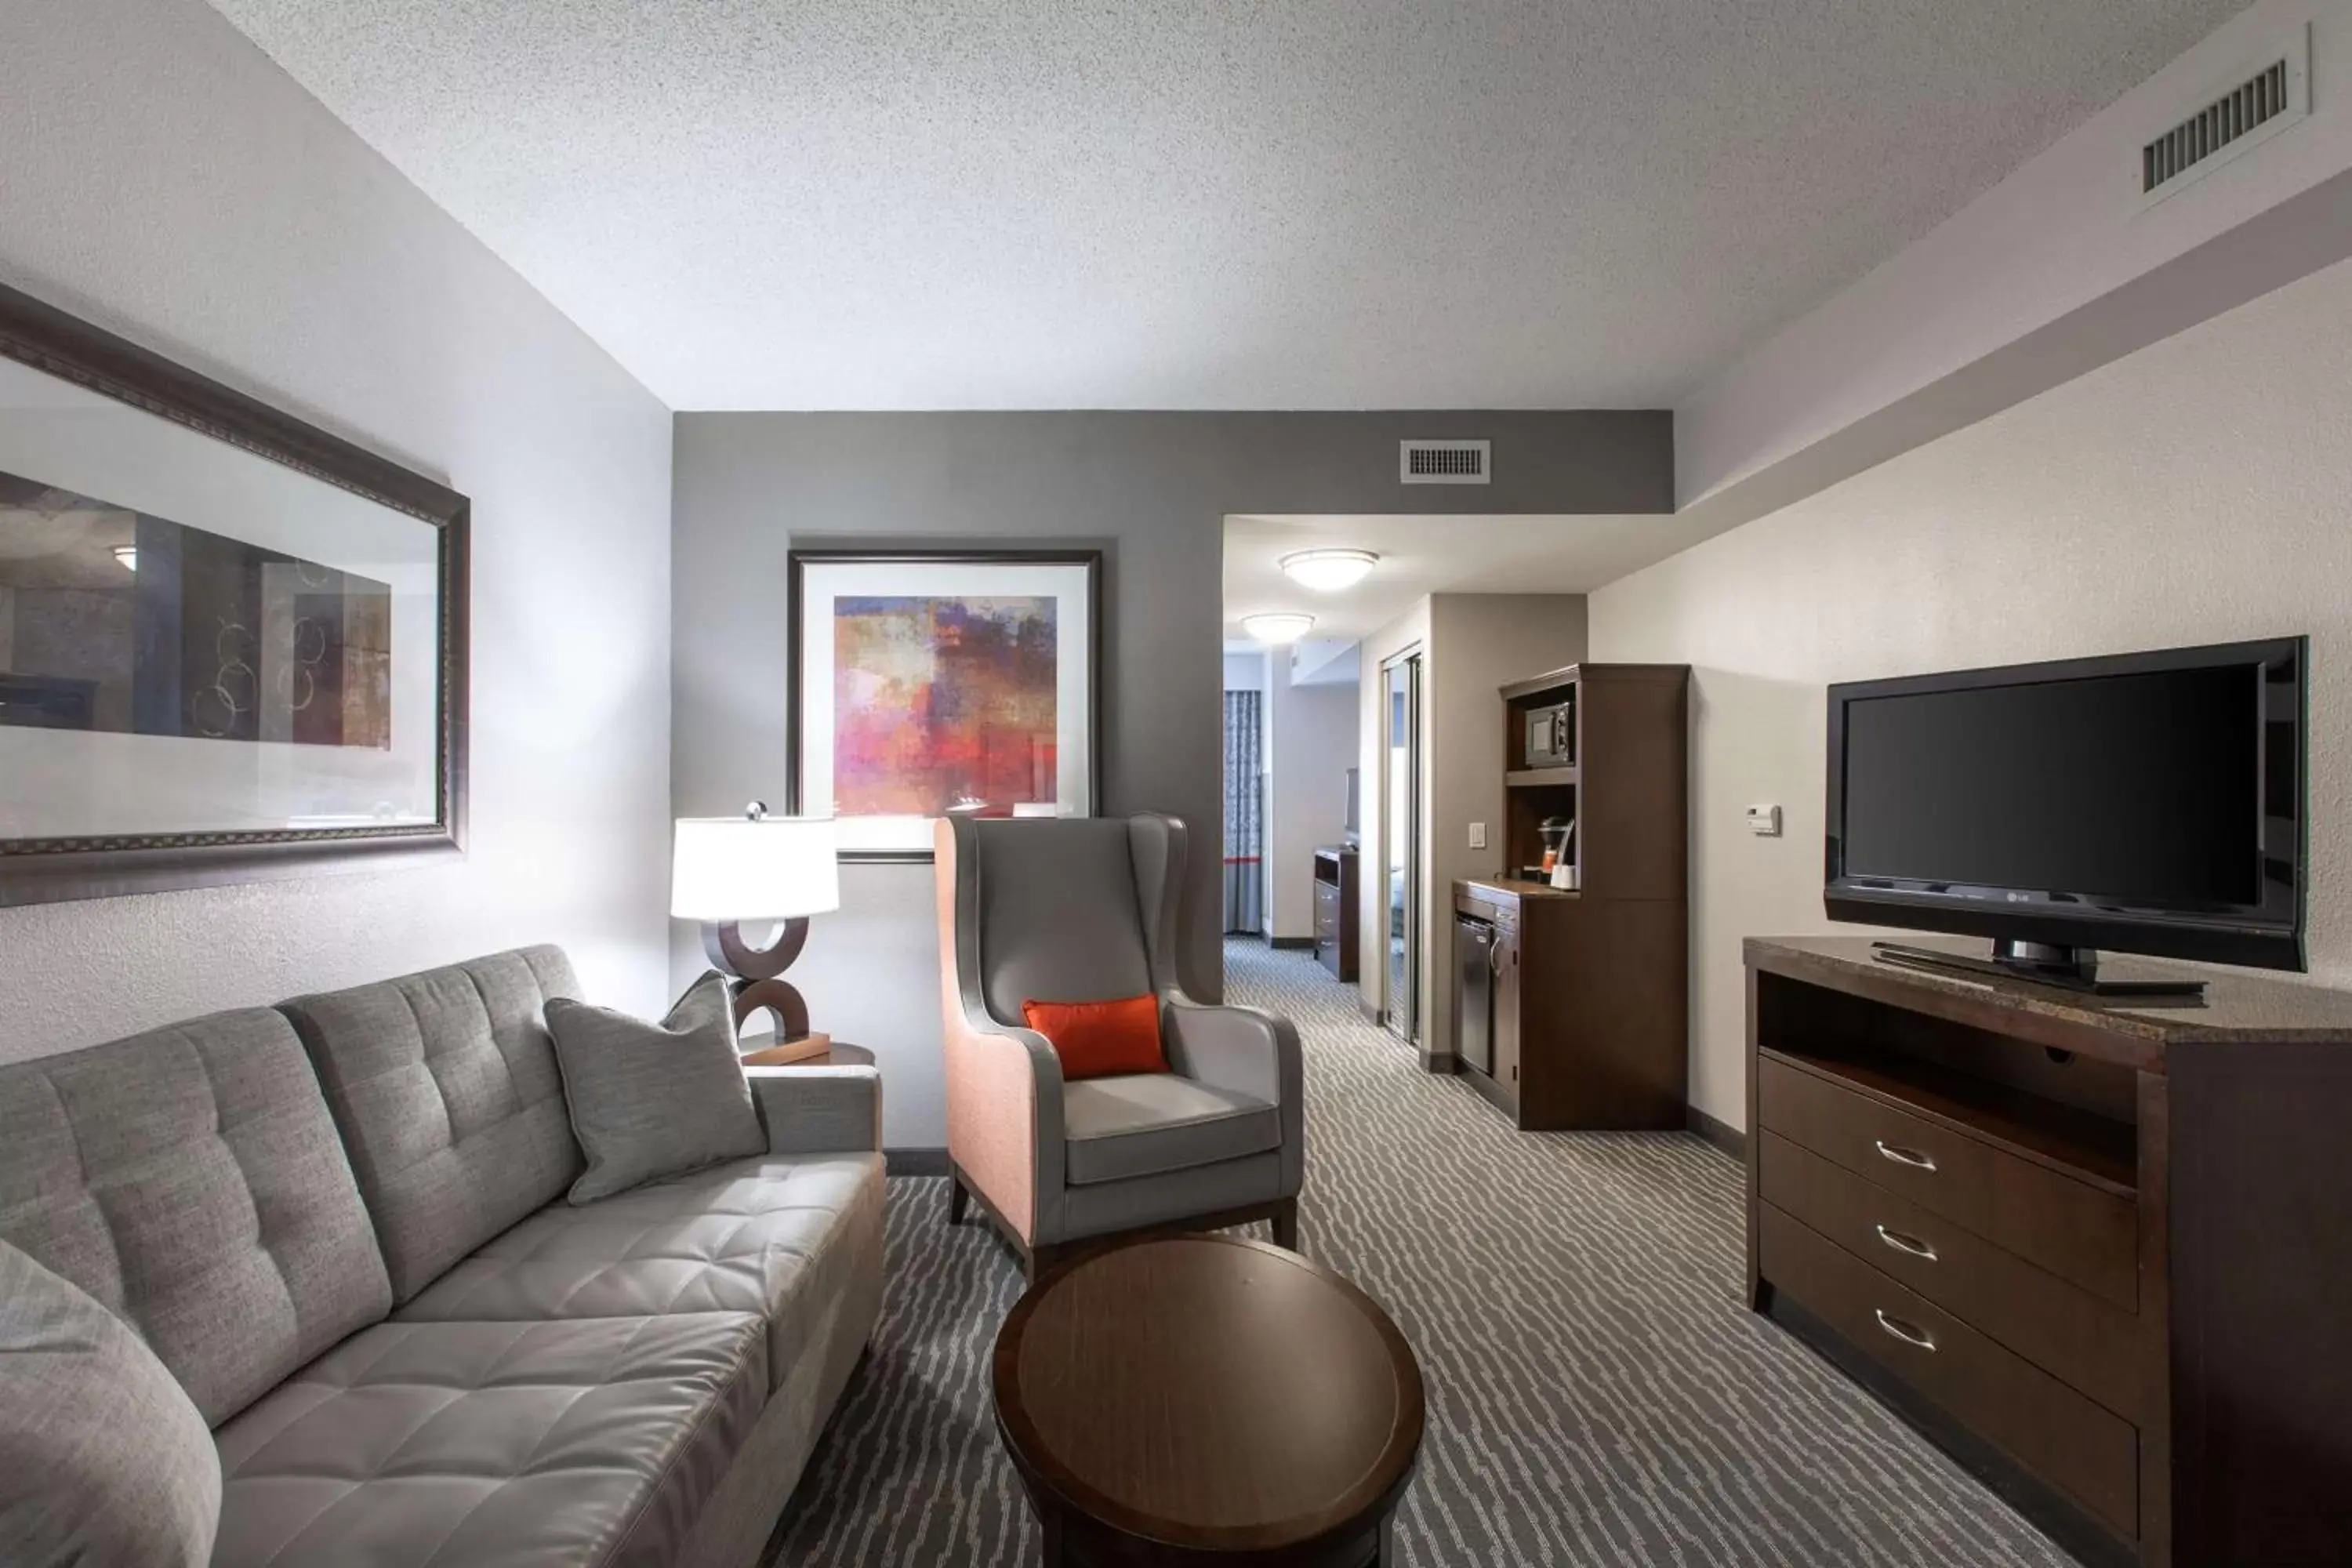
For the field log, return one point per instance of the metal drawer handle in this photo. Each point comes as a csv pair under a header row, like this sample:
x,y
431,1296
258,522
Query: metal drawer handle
x,y
1911,1157
1902,1243
1907,1332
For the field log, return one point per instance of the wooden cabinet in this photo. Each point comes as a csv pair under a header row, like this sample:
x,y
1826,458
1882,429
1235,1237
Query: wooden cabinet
x,y
1585,1001
1335,910
1585,1006
2100,1251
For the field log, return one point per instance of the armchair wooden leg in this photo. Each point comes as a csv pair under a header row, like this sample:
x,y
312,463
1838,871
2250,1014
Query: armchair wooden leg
x,y
957,1199
1040,1259
1286,1224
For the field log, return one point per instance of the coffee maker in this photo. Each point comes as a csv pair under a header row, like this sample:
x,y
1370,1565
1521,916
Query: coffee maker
x,y
1559,853
1557,834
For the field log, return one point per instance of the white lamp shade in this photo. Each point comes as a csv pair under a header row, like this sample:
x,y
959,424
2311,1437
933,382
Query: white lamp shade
x,y
733,869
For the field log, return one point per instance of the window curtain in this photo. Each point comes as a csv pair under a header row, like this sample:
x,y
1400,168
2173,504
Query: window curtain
x,y
1244,815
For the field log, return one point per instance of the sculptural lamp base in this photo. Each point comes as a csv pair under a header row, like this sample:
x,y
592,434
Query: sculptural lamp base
x,y
754,976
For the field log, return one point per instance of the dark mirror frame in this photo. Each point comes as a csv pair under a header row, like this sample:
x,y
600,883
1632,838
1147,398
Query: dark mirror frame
x,y
51,870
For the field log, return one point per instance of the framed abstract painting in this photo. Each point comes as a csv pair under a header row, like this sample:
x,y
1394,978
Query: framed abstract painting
x,y
232,644
926,683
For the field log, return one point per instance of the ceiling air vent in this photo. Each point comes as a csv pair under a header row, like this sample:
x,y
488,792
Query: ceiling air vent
x,y
2275,96
1443,462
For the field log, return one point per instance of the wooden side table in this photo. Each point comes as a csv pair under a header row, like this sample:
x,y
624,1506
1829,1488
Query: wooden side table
x,y
1197,1399
840,1054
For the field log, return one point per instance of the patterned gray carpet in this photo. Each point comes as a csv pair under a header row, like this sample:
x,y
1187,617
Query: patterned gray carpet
x,y
1597,1394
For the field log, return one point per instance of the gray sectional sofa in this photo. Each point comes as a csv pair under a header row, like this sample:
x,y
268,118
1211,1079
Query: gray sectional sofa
x,y
341,1226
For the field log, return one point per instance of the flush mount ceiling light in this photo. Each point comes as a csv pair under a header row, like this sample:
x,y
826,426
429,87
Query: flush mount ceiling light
x,y
1329,571
127,554
1278,625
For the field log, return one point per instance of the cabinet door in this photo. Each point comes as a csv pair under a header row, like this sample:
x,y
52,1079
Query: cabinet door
x,y
1506,1008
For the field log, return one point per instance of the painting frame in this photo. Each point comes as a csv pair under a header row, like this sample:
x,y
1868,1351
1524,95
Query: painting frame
x,y
805,707
34,870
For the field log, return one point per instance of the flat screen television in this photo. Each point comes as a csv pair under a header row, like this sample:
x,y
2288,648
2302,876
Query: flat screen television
x,y
2147,803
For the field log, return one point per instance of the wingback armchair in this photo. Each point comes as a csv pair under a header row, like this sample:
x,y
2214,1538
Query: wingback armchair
x,y
1084,910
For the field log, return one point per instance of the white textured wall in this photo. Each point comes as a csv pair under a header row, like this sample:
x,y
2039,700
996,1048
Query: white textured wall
x,y
2199,490
159,176
2057,233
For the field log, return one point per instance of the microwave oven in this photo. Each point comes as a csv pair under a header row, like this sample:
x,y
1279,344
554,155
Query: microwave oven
x,y
1551,736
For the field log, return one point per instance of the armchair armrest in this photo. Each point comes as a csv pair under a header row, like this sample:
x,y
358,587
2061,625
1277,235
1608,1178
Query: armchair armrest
x,y
1243,1049
818,1110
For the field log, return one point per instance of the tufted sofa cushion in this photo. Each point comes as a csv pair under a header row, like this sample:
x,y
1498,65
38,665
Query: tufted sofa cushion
x,y
190,1180
593,1442
445,1089
779,1238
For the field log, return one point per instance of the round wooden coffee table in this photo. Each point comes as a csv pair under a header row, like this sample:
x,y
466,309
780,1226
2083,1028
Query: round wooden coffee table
x,y
1197,1399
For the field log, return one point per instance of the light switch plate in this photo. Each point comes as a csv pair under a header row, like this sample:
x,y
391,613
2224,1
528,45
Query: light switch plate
x,y
1477,836
1764,821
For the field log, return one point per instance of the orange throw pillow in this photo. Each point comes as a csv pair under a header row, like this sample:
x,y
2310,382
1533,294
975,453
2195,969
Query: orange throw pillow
x,y
1096,1040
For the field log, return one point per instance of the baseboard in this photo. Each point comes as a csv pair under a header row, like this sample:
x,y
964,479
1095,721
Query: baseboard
x,y
914,1161
1290,942
1722,1134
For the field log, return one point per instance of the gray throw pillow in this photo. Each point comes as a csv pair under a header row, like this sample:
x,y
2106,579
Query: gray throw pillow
x,y
650,1100
104,1461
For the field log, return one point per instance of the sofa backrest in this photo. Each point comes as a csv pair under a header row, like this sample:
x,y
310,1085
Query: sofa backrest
x,y
445,1087
190,1180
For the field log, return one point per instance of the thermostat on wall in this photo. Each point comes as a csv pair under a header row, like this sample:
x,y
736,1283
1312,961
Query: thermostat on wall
x,y
1764,821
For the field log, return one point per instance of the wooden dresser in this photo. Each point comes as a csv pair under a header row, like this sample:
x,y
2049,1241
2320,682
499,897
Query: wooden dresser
x,y
1335,910
2102,1252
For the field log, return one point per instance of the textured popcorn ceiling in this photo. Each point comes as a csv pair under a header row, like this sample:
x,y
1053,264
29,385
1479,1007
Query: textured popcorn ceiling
x,y
1326,203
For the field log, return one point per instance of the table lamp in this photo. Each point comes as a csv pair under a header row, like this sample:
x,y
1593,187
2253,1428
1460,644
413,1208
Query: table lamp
x,y
728,872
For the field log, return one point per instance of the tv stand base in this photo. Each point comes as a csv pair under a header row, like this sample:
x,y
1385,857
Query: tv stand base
x,y
2073,969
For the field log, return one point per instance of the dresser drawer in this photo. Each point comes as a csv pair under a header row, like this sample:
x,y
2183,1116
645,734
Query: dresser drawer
x,y
2080,1232
2091,1453
2079,1338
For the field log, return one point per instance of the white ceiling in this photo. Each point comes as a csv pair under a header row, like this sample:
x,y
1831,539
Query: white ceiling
x,y
1422,555
1169,204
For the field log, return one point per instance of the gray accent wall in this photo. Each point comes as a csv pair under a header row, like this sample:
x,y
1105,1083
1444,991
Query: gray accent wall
x,y
1151,491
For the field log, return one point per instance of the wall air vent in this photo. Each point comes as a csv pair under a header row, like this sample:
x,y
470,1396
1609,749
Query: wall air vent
x,y
1445,462
2276,95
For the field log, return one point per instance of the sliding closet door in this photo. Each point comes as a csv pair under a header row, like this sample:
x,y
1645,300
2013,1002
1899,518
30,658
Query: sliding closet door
x,y
1401,843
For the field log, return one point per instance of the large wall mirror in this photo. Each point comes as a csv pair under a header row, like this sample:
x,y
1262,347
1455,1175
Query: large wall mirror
x,y
232,645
